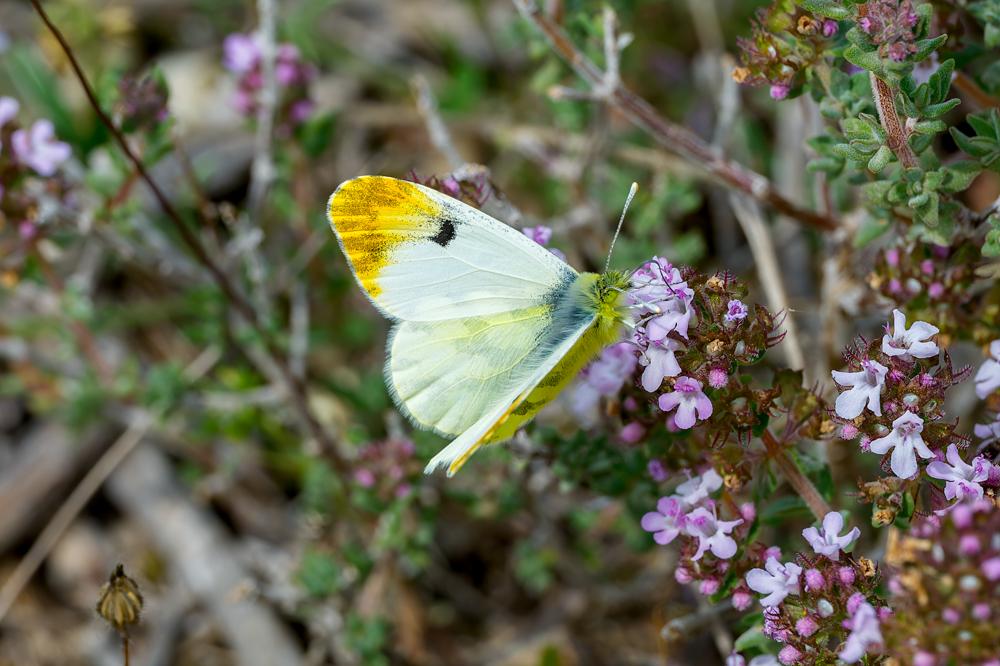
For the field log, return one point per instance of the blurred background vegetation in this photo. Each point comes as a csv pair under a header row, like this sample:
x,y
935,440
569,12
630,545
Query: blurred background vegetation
x,y
143,420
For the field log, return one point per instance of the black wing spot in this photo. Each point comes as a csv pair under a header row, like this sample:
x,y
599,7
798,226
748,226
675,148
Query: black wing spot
x,y
445,234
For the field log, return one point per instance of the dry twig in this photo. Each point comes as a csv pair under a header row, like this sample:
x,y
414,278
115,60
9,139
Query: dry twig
x,y
669,135
296,388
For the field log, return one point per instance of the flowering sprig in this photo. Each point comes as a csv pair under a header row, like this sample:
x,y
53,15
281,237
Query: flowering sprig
x,y
944,591
894,401
242,56
785,43
32,185
821,607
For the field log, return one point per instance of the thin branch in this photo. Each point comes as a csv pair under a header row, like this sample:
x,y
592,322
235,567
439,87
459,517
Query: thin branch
x,y
885,102
86,489
262,169
296,389
796,479
437,131
669,135
769,271
68,512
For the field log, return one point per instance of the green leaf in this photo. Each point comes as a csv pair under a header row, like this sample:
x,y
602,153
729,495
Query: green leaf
x,y
784,508
959,176
925,47
870,230
826,8
991,247
880,159
752,639
869,60
941,108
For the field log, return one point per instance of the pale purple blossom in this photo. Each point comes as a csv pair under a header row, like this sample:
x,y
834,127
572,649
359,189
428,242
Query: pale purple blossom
x,y
675,315
909,343
789,655
660,361
8,110
828,541
865,633
736,311
780,91
653,282
698,488
988,376
865,390
691,402
712,533
540,234
666,522
988,432
775,580
603,377
38,148
963,479
657,471
240,53
658,286
906,443
736,659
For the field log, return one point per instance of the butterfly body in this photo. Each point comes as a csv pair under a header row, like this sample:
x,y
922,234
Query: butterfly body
x,y
489,326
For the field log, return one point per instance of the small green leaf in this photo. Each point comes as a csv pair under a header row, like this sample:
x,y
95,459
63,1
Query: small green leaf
x,y
752,639
880,159
827,8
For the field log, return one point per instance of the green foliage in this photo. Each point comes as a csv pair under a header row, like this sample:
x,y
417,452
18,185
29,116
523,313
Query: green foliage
x,y
984,145
318,574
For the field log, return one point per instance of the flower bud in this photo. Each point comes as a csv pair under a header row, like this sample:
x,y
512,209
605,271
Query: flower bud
x,y
120,602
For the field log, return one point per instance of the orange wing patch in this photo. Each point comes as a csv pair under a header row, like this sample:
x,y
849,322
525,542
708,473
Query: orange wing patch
x,y
372,215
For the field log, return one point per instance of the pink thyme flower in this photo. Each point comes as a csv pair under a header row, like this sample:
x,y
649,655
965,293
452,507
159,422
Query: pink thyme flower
x,y
776,580
830,28
789,655
657,471
540,234
988,376
8,110
39,149
698,488
828,542
963,479
660,361
988,432
718,378
865,390
905,442
666,522
632,432
909,343
712,533
780,91
865,633
689,400
240,53
736,311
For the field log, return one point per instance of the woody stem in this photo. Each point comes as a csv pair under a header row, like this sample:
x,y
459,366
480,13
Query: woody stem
x,y
895,134
777,452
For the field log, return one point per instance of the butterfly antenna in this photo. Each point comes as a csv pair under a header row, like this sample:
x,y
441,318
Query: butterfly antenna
x,y
628,200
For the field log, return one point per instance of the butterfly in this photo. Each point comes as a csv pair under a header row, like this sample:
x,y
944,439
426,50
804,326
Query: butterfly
x,y
488,326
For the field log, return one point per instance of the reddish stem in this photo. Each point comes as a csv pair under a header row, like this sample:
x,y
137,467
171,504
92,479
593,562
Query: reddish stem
x,y
777,452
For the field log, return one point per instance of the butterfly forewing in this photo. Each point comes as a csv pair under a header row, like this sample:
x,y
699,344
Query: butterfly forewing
x,y
423,256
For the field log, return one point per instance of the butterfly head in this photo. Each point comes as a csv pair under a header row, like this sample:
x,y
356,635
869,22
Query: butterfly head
x,y
608,299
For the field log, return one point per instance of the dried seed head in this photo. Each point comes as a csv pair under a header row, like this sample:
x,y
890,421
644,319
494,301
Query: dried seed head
x,y
867,567
120,602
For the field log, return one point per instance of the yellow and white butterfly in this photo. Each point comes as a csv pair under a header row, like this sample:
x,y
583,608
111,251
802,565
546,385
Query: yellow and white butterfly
x,y
488,327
